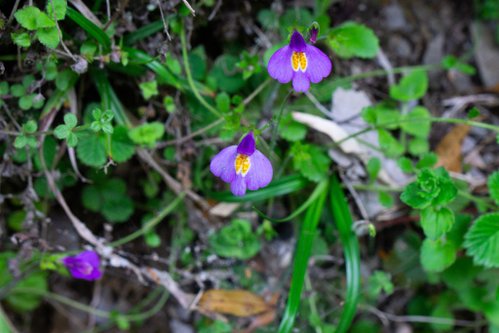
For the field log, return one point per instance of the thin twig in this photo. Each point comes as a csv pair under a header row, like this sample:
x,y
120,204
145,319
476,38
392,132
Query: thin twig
x,y
165,24
188,5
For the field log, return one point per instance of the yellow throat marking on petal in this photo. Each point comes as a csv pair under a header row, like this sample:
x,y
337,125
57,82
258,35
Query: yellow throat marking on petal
x,y
299,61
242,164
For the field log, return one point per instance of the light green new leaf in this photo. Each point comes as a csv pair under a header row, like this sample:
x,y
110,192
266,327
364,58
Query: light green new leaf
x,y
149,89
482,240
56,9
391,146
70,120
412,86
21,39
147,134
48,37
436,222
437,255
353,40
26,17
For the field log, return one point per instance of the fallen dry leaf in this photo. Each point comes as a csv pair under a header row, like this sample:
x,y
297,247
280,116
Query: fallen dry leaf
x,y
449,148
240,303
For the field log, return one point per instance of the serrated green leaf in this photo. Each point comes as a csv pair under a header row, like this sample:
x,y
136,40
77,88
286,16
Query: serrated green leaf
x,y
122,148
437,255
353,40
43,21
56,9
417,122
436,222
235,241
48,37
147,134
412,86
311,161
482,240
291,130
91,150
21,39
26,17
493,185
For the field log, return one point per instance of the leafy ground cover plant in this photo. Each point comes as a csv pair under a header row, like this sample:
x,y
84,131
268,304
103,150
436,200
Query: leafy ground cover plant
x,y
159,169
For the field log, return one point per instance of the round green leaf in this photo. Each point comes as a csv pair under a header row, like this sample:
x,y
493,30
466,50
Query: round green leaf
x,y
354,40
436,222
437,255
91,150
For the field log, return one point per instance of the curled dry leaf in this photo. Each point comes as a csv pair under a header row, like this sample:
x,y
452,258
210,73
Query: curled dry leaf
x,y
449,148
239,303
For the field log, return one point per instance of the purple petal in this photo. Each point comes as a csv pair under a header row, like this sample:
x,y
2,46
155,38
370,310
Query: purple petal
x,y
222,165
247,145
297,43
279,66
319,64
91,257
301,82
238,186
85,266
260,172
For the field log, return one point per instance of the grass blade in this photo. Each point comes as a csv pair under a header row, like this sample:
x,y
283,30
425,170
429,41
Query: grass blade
x,y
279,187
143,32
302,254
343,220
109,98
317,192
90,28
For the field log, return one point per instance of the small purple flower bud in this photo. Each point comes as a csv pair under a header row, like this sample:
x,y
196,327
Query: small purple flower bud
x,y
314,31
85,266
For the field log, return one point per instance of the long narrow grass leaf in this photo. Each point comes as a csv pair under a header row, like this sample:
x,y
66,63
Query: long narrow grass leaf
x,y
315,194
343,220
302,255
90,28
143,32
279,187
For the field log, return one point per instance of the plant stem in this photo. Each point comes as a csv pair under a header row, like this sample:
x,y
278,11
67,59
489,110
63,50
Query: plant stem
x,y
190,81
151,223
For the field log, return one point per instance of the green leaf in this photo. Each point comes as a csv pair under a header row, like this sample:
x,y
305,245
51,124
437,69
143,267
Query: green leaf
x,y
27,17
291,130
169,104
63,79
70,120
20,141
418,146
228,81
17,90
311,161
436,222
90,28
379,282
43,21
437,255
122,148
493,185
427,160
56,9
21,39
72,140
91,199
451,62
48,37
147,134
26,102
417,122
30,127
412,86
4,88
405,164
152,239
62,132
373,168
448,191
149,89
91,150
117,209
222,102
353,40
235,241
385,199
390,146
482,240
24,302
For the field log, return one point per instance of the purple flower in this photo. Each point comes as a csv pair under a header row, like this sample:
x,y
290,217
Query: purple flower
x,y
314,31
300,62
84,266
243,166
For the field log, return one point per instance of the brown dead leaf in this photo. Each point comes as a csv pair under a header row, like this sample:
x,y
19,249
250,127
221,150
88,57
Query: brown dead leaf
x,y
449,148
240,303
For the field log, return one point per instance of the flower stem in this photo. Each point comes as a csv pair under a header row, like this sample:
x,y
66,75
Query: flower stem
x,y
190,81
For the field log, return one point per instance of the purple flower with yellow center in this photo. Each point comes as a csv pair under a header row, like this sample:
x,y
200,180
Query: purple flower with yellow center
x,y
84,266
300,62
243,166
